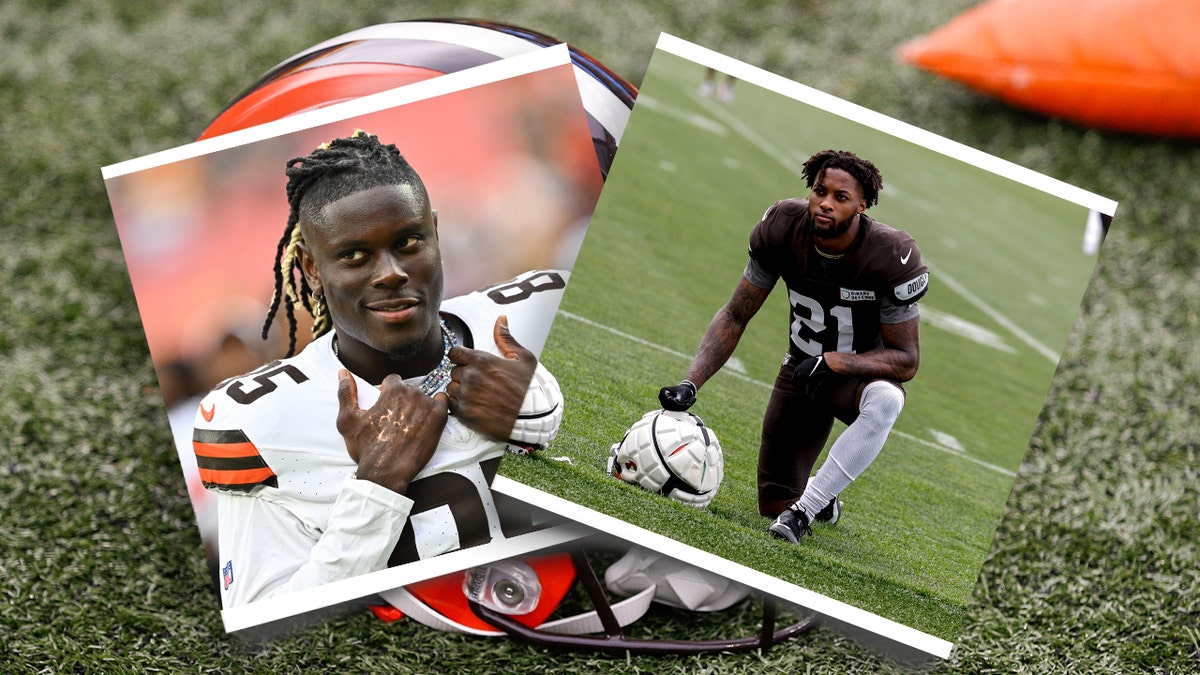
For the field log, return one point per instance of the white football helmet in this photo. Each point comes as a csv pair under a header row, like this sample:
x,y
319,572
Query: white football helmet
x,y
671,453
540,415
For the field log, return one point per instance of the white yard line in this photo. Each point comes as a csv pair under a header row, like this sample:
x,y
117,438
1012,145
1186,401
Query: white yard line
x,y
1020,333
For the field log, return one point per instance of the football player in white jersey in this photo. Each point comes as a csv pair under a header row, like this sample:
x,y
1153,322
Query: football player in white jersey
x,y
378,442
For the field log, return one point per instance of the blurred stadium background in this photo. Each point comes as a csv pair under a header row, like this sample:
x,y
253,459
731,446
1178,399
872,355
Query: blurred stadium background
x,y
1094,567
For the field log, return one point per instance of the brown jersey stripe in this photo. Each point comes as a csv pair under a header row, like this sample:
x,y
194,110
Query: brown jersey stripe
x,y
242,479
219,436
230,463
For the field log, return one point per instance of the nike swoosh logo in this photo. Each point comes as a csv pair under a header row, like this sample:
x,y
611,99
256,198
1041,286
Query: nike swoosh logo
x,y
904,258
208,414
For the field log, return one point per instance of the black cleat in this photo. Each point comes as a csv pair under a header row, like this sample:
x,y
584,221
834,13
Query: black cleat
x,y
791,525
831,512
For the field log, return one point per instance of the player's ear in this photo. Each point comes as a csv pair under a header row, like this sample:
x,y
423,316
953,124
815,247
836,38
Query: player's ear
x,y
308,266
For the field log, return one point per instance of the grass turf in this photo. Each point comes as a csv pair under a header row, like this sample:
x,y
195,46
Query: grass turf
x,y
1093,568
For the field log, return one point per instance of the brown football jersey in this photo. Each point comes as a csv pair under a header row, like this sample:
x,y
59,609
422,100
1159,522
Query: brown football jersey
x,y
835,301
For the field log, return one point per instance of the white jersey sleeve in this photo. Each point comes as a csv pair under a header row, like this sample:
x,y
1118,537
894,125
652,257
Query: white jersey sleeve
x,y
267,550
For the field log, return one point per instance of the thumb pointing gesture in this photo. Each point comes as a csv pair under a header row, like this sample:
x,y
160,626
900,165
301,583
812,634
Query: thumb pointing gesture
x,y
486,391
506,343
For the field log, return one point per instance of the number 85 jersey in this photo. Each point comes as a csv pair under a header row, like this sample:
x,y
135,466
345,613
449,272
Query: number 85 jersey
x,y
837,302
291,513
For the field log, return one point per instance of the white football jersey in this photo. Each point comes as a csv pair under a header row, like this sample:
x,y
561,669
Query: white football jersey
x,y
291,515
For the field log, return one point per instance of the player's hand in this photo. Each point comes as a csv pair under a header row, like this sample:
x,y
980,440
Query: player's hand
x,y
678,398
812,374
486,391
392,440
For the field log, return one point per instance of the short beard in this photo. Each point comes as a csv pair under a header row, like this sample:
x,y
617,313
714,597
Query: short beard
x,y
404,353
407,352
833,231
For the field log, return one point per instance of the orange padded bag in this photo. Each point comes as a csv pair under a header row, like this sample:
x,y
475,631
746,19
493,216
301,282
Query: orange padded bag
x,y
1122,65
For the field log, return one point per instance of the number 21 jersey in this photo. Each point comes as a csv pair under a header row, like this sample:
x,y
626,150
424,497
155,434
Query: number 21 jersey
x,y
836,301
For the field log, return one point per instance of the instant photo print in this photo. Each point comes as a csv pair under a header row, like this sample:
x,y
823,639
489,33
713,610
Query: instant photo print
x,y
505,152
710,145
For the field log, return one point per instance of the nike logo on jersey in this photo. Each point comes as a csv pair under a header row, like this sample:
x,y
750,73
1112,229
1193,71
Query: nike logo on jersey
x,y
904,258
208,414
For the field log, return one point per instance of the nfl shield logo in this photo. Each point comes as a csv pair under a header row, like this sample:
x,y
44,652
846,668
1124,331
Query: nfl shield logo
x,y
227,574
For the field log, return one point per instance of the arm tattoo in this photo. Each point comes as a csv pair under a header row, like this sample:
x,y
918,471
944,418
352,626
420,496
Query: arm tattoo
x,y
898,359
725,330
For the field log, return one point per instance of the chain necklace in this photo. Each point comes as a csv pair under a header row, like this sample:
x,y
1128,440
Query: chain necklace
x,y
831,256
439,376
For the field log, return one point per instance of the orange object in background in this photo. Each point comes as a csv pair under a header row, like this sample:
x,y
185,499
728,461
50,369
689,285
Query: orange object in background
x,y
1121,65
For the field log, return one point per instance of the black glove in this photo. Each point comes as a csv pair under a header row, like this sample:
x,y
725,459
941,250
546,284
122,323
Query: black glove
x,y
678,398
812,374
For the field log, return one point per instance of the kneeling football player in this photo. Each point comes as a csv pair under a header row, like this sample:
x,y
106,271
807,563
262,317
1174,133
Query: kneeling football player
x,y
853,284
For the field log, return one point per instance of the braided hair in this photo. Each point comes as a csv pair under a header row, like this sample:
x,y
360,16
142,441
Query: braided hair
x,y
334,170
862,170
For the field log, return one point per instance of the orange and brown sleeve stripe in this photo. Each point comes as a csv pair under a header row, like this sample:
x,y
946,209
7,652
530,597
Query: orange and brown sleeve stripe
x,y
228,460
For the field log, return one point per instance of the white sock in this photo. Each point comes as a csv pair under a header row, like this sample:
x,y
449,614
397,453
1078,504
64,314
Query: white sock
x,y
857,447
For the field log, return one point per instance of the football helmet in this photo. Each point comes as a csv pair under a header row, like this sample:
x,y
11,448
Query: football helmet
x,y
671,453
675,584
540,415
517,598
385,56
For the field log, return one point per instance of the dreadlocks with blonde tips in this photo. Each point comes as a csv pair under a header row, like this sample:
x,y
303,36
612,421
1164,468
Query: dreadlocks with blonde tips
x,y
334,170
862,170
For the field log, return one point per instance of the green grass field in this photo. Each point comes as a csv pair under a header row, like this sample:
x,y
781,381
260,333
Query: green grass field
x,y
665,249
1093,566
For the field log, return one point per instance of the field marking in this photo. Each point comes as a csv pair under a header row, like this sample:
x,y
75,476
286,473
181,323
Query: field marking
x,y
695,119
746,378
852,112
957,453
994,314
963,328
742,129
